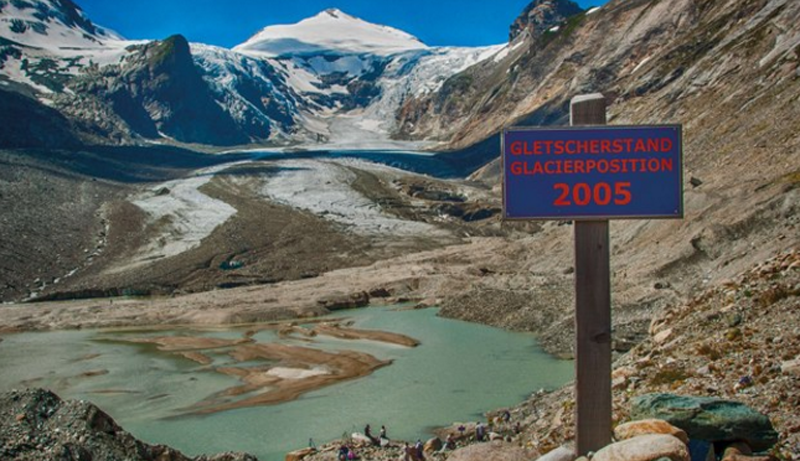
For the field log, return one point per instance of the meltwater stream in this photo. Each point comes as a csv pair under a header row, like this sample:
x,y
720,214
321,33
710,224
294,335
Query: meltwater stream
x,y
459,371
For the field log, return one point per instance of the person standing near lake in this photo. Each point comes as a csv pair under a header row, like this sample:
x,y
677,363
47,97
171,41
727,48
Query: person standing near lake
x,y
480,431
368,433
449,444
383,438
419,450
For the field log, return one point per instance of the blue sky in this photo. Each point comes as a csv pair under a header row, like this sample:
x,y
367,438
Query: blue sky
x,y
228,23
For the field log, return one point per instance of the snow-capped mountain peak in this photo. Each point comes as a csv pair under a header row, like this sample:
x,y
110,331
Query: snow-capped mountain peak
x,y
50,24
331,31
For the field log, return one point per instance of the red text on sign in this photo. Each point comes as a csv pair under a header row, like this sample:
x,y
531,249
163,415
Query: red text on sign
x,y
582,194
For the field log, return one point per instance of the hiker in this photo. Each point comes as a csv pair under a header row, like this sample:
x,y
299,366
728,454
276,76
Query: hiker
x,y
419,447
383,438
480,432
343,452
406,452
368,433
449,444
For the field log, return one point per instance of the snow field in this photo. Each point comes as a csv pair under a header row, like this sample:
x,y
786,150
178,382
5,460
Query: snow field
x,y
324,187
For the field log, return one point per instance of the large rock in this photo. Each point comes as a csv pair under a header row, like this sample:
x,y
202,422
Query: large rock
x,y
741,452
650,447
432,445
791,367
711,419
633,429
559,454
492,451
298,455
338,301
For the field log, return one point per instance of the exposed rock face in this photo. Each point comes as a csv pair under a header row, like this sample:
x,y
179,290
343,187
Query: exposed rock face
x,y
158,91
710,419
37,424
643,55
541,15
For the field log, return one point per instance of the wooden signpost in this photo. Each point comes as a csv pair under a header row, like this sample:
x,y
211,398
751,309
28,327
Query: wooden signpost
x,y
591,173
592,310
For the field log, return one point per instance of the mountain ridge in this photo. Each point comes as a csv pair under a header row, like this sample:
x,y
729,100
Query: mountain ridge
x,y
266,97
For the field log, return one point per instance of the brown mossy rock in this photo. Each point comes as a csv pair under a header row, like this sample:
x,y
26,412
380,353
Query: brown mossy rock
x,y
633,429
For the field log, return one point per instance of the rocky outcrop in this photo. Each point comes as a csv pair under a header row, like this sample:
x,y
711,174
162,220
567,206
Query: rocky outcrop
x,y
541,16
37,424
158,91
709,419
339,301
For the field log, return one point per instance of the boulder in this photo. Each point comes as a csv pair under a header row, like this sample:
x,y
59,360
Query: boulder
x,y
559,454
707,418
742,452
495,436
662,336
791,367
338,301
648,426
492,451
297,455
360,440
432,445
649,447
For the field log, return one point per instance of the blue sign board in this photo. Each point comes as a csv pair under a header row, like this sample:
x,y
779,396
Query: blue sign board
x,y
596,172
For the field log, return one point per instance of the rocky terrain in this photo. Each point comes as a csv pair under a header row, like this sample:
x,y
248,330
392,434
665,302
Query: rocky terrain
x,y
703,306
36,424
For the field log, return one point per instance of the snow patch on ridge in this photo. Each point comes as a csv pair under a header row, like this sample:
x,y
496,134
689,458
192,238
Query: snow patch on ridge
x,y
184,216
324,187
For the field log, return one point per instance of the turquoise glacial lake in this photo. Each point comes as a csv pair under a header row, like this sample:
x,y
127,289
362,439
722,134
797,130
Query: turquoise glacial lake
x,y
459,371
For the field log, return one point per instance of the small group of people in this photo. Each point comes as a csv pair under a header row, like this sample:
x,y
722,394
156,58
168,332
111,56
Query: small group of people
x,y
414,452
379,441
346,453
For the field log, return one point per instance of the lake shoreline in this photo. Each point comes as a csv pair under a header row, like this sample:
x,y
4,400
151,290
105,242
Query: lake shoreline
x,y
299,362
